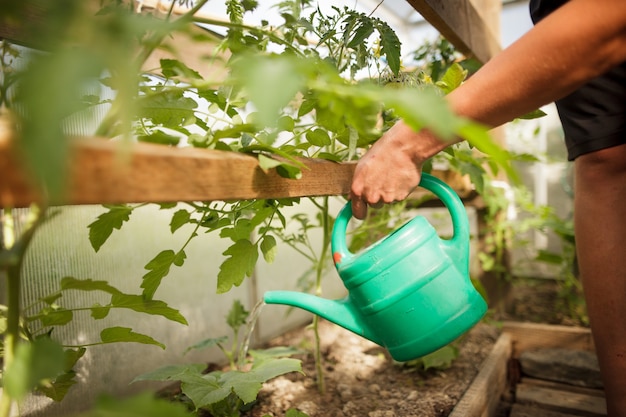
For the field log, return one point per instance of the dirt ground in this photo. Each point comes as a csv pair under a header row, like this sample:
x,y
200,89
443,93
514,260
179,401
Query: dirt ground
x,y
361,380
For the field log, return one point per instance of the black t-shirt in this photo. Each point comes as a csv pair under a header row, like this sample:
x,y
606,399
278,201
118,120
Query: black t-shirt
x,y
541,8
594,116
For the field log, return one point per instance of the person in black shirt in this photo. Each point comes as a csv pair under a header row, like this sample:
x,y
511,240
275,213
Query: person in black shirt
x,y
575,56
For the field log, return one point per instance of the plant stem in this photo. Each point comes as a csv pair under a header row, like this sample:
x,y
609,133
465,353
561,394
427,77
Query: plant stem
x,y
12,331
319,272
13,269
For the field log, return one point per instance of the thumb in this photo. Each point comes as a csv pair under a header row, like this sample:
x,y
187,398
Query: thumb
x,y
359,208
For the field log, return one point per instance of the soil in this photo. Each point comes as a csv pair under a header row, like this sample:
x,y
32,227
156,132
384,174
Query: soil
x,y
361,379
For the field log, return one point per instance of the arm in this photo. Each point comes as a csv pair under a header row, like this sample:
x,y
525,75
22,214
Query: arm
x,y
579,41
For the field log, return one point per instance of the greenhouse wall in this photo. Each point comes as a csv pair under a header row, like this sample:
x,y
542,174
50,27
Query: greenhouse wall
x,y
61,248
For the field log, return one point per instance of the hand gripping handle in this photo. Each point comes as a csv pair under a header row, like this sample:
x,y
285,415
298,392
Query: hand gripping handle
x,y
456,246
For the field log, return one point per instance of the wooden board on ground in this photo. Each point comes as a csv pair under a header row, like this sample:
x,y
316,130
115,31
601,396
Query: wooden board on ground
x,y
532,397
528,336
482,397
523,410
542,383
561,400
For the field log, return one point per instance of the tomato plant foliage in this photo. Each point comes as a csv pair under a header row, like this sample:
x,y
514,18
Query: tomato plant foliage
x,y
312,84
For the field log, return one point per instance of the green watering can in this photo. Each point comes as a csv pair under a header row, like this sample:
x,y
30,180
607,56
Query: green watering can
x,y
410,291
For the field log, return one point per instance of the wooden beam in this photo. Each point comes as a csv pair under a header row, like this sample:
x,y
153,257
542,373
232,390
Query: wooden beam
x,y
19,23
461,24
100,171
103,172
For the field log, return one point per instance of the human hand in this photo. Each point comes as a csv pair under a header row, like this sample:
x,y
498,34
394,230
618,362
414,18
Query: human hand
x,y
388,172
392,168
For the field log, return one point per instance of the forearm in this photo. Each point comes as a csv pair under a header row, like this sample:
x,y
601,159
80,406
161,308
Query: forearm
x,y
579,41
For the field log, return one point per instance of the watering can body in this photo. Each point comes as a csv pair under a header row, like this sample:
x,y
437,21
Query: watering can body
x,y
410,291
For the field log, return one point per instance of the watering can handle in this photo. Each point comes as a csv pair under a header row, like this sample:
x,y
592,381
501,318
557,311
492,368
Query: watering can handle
x,y
460,224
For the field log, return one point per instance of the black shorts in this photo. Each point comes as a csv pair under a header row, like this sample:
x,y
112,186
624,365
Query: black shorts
x,y
594,116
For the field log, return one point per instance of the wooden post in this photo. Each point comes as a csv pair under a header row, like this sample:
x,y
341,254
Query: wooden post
x,y
461,23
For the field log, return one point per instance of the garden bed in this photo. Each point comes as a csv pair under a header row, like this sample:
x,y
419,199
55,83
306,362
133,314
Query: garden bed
x,y
362,380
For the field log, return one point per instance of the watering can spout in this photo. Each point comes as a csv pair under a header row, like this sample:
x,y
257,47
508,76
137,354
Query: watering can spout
x,y
340,312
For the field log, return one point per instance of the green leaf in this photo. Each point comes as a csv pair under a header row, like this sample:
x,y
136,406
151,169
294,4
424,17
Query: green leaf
x,y
476,174
262,214
242,257
390,45
453,78
283,168
101,229
245,385
273,367
52,298
237,316
180,257
166,206
423,108
269,248
266,163
179,219
549,257
159,137
140,405
153,307
242,229
125,334
207,343
171,373
329,156
234,131
159,267
206,390
306,107
285,124
362,32
168,108
318,137
441,359
174,68
274,352
72,356
478,136
33,362
57,390
293,412
55,317
99,311
272,82
62,74
71,283
535,114
289,171
275,151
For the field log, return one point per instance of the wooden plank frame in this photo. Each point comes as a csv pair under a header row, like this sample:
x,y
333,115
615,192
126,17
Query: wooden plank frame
x,y
482,397
102,172
493,382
